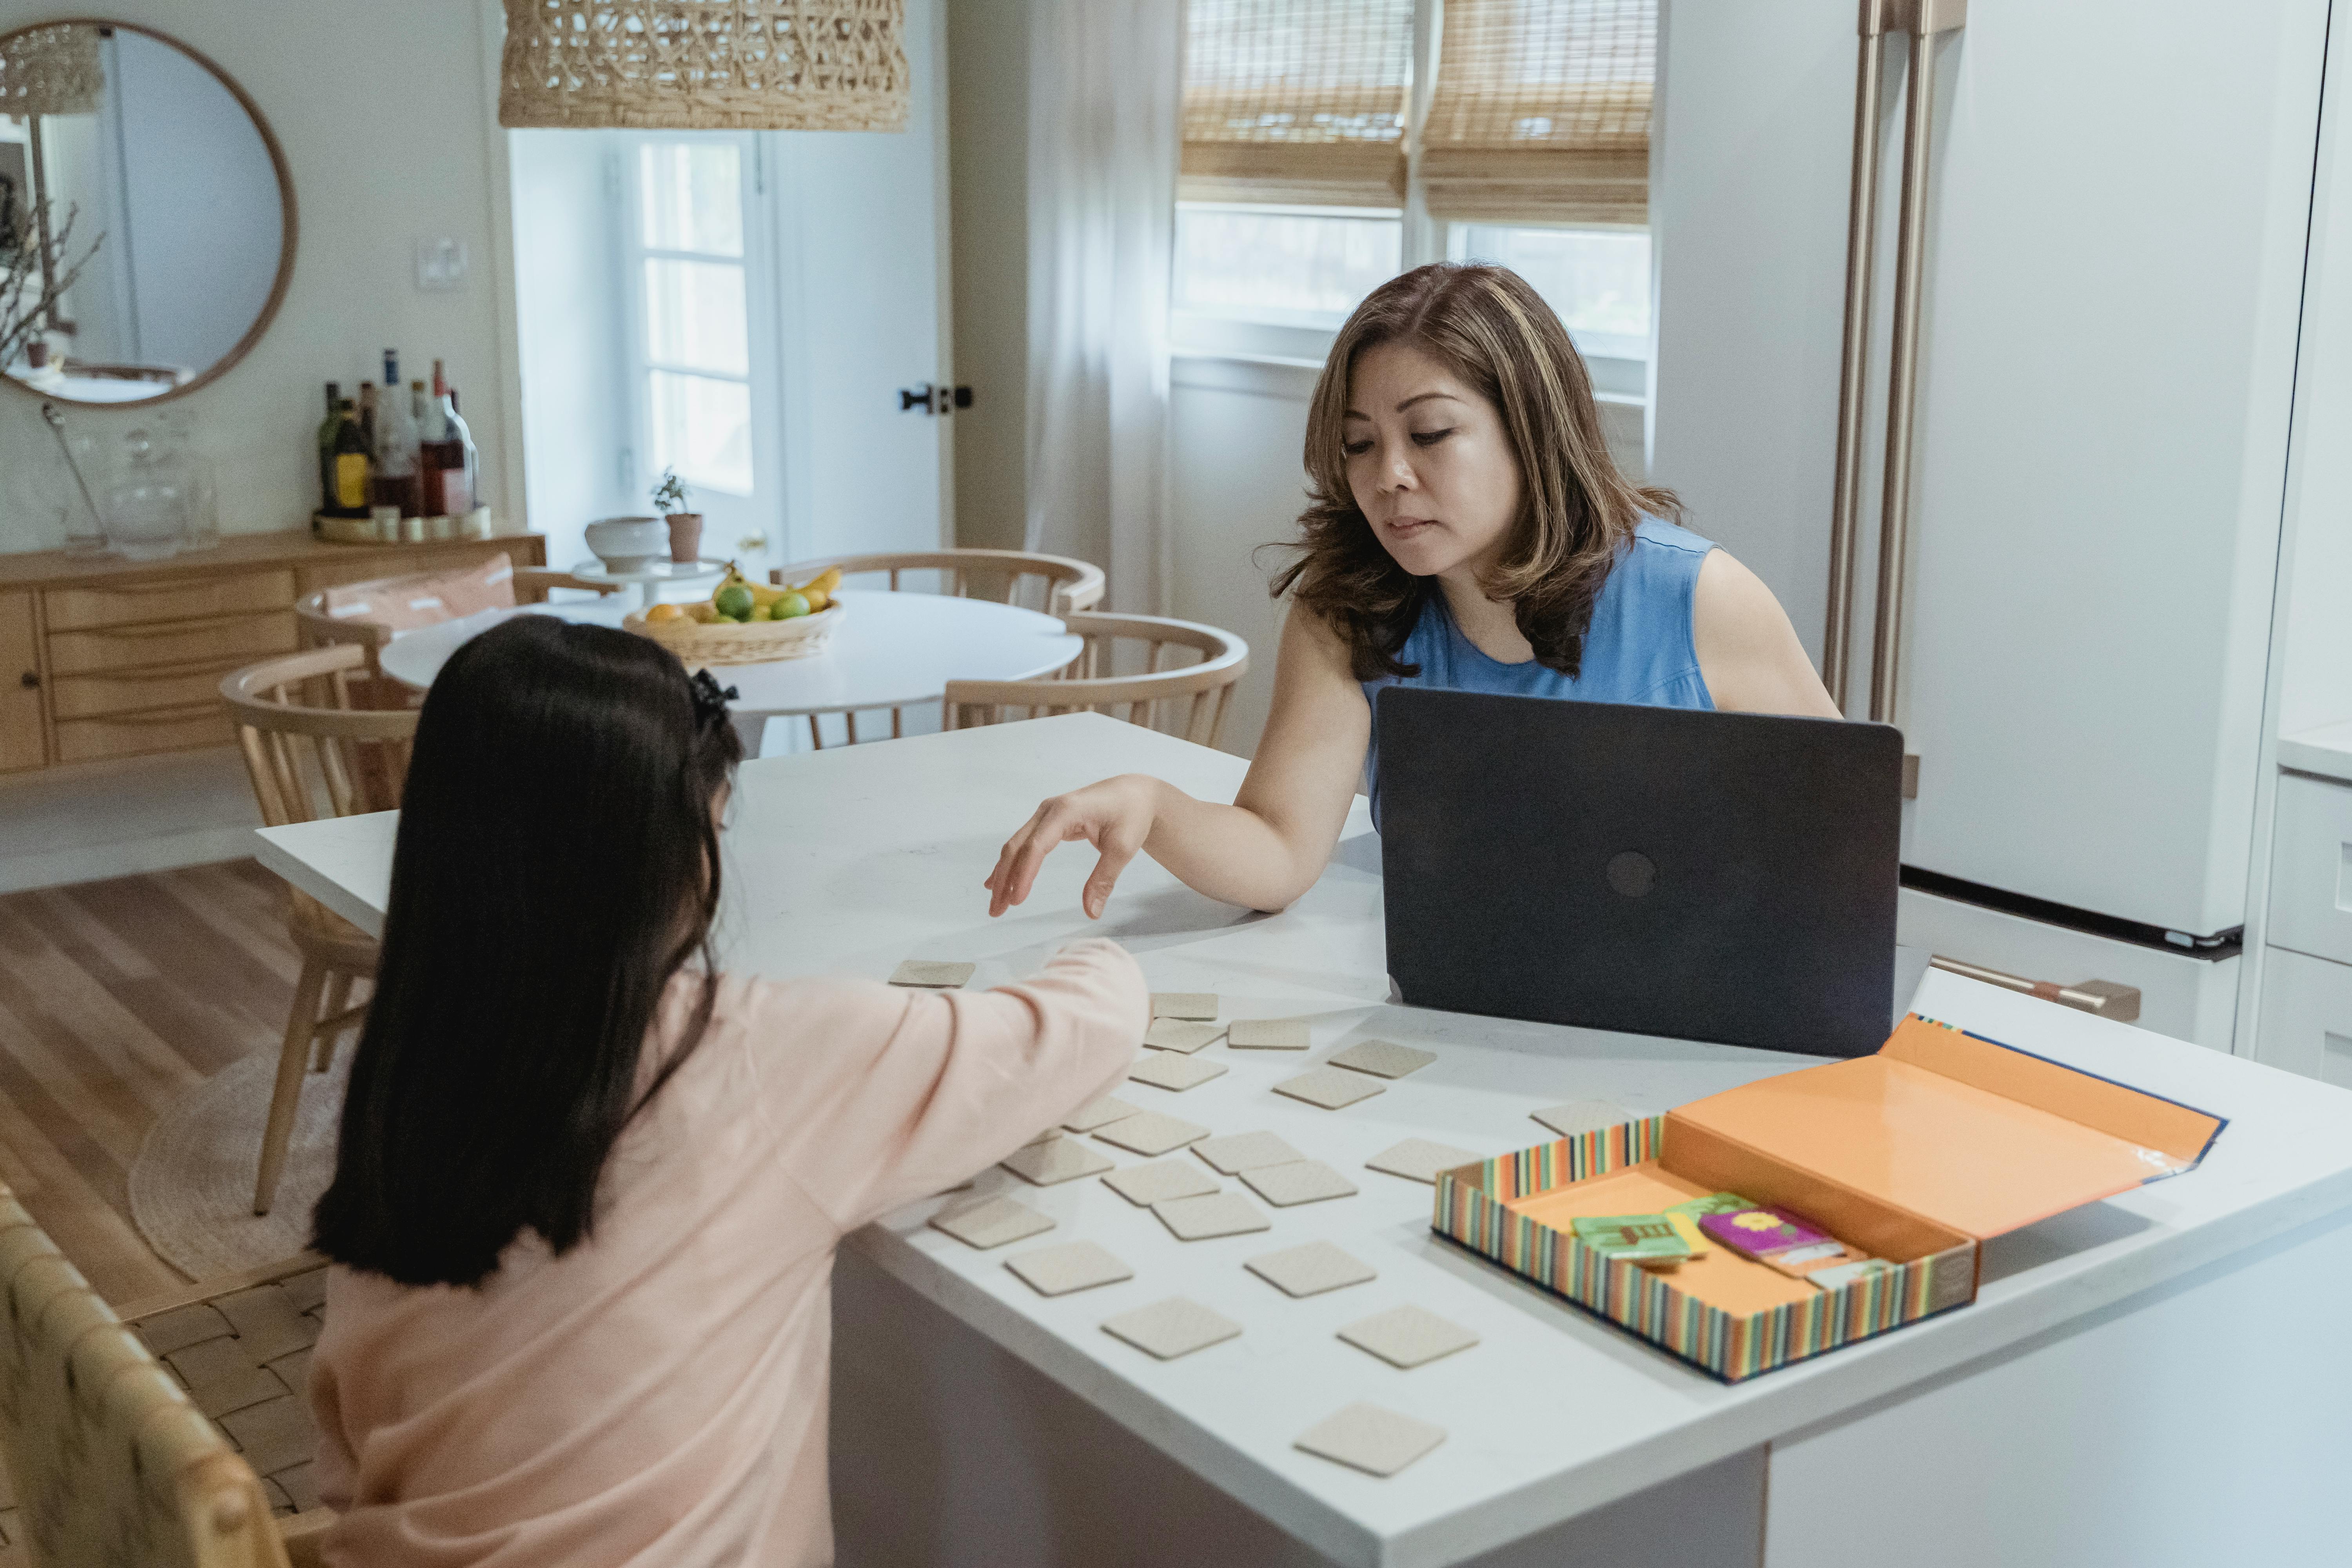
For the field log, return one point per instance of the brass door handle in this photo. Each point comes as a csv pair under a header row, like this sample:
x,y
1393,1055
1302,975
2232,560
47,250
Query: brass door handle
x,y
2103,997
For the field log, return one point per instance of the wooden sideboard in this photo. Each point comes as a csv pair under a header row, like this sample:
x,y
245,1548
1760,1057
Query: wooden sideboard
x,y
103,657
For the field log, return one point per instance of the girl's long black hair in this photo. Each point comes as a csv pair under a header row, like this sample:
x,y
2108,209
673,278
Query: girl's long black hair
x,y
557,863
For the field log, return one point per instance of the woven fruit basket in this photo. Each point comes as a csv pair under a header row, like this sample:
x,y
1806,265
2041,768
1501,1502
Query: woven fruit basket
x,y
697,643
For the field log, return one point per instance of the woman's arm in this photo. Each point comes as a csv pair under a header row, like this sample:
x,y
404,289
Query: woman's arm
x,y
1747,652
1264,851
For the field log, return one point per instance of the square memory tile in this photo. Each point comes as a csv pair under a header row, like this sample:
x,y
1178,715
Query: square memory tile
x,y
1368,1438
1419,1159
932,974
1176,1035
1199,1004
1309,1270
1151,1133
1047,1136
1300,1182
990,1222
1242,1151
1144,1185
1583,1116
1097,1113
1408,1336
1076,1265
1383,1059
1330,1087
1207,1217
1062,1160
1166,1069
1172,1328
1267,1034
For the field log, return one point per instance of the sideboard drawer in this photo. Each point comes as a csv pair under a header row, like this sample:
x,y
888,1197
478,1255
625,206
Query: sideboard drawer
x,y
180,643
167,599
95,695
170,730
2311,867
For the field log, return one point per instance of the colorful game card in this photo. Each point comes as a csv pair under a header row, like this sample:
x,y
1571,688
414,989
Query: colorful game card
x,y
1759,1233
1647,1239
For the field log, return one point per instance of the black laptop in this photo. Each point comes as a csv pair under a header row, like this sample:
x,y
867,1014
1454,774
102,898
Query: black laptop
x,y
1726,876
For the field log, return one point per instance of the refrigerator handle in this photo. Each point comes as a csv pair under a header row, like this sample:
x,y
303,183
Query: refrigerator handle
x,y
2103,997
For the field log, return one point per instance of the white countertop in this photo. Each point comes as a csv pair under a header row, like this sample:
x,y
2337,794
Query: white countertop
x,y
854,860
2326,750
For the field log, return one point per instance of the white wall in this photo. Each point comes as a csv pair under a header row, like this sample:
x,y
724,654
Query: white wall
x,y
385,118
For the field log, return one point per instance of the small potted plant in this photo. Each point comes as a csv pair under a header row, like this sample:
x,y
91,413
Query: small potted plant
x,y
685,527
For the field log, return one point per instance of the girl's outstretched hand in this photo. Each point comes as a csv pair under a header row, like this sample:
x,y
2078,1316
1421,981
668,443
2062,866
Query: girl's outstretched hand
x,y
1116,817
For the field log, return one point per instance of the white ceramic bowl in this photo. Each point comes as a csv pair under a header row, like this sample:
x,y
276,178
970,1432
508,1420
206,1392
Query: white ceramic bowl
x,y
627,544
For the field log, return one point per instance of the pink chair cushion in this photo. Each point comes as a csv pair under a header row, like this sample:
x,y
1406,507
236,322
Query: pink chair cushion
x,y
425,598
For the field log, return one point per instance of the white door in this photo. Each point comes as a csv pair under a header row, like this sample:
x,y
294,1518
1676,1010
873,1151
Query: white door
x,y
2111,315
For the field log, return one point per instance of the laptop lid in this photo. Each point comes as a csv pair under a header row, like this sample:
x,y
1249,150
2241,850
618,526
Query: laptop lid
x,y
1726,876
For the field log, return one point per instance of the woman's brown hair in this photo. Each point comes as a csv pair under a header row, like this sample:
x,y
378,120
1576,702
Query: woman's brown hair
x,y
1576,509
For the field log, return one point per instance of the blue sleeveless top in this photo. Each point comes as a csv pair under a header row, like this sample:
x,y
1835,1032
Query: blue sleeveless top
x,y
1639,649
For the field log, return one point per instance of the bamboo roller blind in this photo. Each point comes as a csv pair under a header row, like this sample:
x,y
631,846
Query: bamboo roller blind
x,y
1297,101
1540,111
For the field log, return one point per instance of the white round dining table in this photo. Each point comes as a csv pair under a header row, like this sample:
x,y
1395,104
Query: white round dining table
x,y
891,650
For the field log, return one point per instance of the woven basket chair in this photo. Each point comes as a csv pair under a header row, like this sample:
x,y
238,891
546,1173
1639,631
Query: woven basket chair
x,y
314,751
1188,701
1064,584
110,1453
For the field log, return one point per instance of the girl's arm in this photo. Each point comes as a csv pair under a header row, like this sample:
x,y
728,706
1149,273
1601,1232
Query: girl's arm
x,y
1264,851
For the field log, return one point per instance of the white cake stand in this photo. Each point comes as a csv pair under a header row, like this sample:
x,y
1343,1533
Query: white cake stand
x,y
649,580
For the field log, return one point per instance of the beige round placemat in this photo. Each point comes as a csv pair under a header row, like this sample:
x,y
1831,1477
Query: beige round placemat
x,y
192,1185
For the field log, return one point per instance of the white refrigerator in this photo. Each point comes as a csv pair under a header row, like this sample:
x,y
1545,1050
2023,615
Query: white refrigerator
x,y
2118,218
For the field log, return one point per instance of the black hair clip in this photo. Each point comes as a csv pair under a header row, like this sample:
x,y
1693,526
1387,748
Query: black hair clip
x,y
710,698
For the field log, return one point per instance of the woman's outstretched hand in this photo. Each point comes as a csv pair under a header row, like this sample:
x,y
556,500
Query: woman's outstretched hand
x,y
1116,817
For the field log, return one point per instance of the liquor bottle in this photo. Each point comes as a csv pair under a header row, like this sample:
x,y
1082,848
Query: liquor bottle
x,y
391,368
326,447
426,412
396,473
367,414
353,465
449,462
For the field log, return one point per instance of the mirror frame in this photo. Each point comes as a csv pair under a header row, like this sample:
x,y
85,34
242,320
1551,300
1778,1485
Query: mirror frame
x,y
289,227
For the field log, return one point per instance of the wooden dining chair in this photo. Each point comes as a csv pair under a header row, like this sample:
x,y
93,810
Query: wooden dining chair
x,y
1188,701
1057,585
316,626
313,749
111,1459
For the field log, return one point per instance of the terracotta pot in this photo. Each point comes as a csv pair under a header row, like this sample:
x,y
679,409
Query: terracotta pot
x,y
685,536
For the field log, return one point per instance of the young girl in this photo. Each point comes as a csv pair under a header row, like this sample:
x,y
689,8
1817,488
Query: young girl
x,y
1465,529
588,1188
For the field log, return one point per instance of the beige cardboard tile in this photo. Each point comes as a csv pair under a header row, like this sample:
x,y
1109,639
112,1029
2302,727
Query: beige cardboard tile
x,y
1267,1035
1211,1216
1330,1087
1176,1035
991,1222
1097,1113
1242,1151
1047,1136
1151,1133
1076,1265
1165,1069
1311,1269
932,974
1144,1185
1419,1159
1408,1336
1583,1116
1197,1005
1062,1160
1365,1438
1383,1059
1172,1328
1300,1182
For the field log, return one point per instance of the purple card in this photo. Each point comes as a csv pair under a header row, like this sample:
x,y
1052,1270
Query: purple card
x,y
1761,1233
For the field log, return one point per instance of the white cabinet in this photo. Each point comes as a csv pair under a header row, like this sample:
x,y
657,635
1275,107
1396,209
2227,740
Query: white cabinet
x,y
2311,868
2307,1023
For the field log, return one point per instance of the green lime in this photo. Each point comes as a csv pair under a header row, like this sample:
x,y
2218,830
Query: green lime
x,y
790,608
733,601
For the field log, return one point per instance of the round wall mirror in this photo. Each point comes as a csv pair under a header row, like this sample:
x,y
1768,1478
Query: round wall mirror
x,y
146,215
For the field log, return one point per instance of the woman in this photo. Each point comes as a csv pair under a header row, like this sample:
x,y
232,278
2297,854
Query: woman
x,y
588,1188
1465,529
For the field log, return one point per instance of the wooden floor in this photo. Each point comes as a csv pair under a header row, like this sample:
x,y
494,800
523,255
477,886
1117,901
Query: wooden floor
x,y
116,999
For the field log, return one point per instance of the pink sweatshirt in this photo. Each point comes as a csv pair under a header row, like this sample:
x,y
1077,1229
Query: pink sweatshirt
x,y
657,1397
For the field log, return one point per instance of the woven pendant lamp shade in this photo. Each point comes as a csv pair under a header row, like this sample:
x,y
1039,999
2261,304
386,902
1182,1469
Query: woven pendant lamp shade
x,y
705,65
51,71
1297,101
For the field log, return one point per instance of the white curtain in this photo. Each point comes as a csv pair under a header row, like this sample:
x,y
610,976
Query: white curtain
x,y
1105,84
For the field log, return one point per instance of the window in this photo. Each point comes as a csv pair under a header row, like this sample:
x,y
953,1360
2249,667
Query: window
x,y
1282,266
1597,279
694,322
